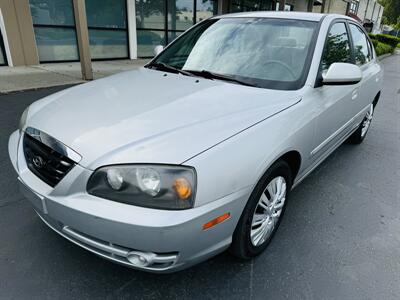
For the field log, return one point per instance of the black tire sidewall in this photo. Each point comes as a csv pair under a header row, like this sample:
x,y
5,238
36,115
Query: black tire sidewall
x,y
357,137
241,242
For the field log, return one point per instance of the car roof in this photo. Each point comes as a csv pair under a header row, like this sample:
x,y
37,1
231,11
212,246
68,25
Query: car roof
x,y
279,14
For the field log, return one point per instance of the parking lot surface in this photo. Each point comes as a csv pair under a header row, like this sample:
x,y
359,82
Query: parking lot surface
x,y
340,238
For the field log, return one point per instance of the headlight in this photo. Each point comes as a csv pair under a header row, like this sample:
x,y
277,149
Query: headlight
x,y
154,186
22,121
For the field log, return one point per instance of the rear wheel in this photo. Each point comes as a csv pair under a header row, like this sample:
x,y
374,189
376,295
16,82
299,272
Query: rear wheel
x,y
263,212
359,135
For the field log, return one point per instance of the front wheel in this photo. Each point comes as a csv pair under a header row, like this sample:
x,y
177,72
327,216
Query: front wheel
x,y
359,135
263,212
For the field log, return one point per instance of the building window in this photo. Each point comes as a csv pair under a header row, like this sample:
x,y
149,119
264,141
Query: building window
x,y
54,26
251,5
288,7
3,57
205,9
108,32
353,7
160,22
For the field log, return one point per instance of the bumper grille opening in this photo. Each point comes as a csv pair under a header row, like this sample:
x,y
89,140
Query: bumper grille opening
x,y
46,163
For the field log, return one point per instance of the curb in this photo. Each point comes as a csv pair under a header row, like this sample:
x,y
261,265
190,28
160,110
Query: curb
x,y
385,56
65,85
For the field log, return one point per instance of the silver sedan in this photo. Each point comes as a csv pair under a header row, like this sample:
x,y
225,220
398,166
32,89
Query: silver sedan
x,y
165,166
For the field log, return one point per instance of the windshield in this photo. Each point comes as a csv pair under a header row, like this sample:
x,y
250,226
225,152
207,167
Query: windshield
x,y
263,52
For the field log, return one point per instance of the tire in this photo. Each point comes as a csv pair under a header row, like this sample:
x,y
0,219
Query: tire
x,y
359,135
244,241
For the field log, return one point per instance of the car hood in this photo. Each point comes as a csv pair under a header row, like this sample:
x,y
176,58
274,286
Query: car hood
x,y
148,116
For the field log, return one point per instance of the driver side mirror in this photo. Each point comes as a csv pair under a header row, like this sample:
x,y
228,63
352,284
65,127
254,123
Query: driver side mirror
x,y
158,49
342,74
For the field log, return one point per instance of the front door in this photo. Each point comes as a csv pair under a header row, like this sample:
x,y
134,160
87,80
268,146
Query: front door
x,y
335,110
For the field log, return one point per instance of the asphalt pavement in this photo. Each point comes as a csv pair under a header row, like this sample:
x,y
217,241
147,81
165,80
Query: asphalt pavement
x,y
340,238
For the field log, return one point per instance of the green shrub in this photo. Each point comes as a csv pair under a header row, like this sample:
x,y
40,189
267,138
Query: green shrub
x,y
388,39
382,48
375,42
372,36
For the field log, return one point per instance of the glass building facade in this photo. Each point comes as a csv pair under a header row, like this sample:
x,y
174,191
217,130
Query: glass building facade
x,y
251,5
54,26
159,22
108,28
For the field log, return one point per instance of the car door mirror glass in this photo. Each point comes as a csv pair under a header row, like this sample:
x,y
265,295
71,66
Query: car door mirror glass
x,y
342,74
158,49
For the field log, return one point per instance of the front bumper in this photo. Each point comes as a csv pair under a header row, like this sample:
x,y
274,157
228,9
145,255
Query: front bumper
x,y
173,240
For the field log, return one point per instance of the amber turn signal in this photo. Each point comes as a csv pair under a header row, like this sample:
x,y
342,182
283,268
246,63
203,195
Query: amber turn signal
x,y
216,221
182,188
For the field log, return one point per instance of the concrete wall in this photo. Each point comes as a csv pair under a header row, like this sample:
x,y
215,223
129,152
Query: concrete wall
x,y
371,13
379,20
18,27
335,7
366,12
362,6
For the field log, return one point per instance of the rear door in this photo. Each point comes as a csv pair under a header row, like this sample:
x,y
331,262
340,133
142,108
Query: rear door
x,y
363,56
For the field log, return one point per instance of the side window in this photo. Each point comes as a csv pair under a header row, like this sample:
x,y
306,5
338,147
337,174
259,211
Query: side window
x,y
337,47
362,52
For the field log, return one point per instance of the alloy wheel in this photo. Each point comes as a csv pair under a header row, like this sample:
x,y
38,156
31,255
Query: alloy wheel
x,y
367,121
268,211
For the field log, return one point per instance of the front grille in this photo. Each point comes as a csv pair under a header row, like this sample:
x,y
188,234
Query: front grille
x,y
46,163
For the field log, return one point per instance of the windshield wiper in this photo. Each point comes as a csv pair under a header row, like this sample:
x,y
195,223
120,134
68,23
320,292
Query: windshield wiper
x,y
212,75
167,68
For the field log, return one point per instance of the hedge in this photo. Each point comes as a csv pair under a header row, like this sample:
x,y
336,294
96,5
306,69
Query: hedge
x,y
384,43
375,42
387,39
382,48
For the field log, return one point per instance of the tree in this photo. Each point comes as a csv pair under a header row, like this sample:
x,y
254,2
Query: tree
x,y
397,26
392,10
